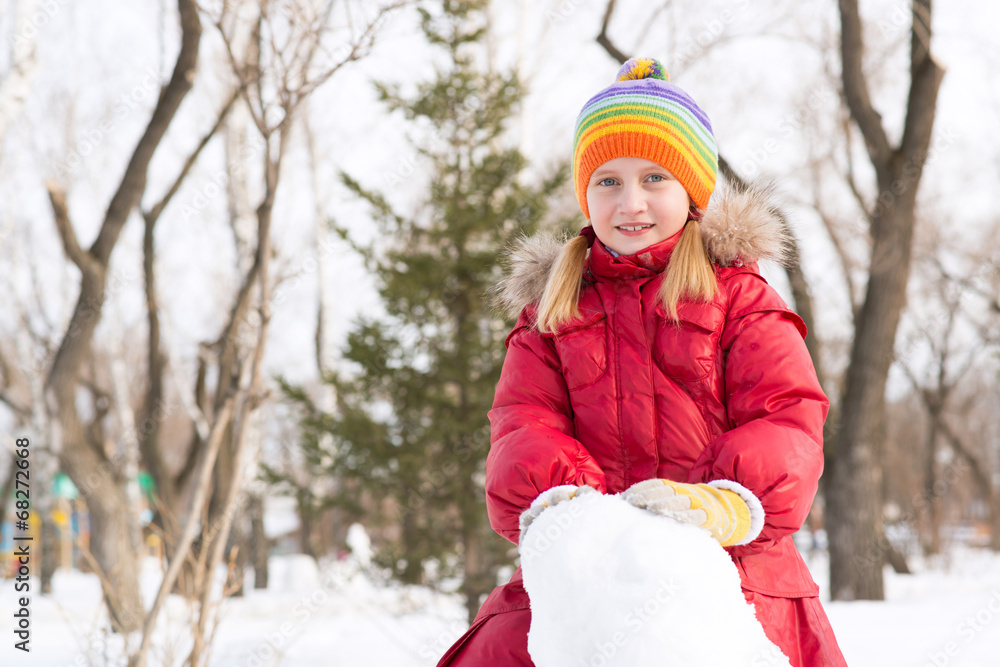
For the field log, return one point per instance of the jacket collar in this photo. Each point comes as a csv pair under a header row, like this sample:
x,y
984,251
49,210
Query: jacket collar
x,y
647,262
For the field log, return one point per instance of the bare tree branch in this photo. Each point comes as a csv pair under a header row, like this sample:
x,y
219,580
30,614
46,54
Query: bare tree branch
x,y
926,76
247,75
856,86
358,49
133,184
850,178
191,523
604,40
19,410
128,195
80,257
847,266
155,212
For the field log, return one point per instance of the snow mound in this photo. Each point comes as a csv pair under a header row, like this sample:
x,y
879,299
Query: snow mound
x,y
611,584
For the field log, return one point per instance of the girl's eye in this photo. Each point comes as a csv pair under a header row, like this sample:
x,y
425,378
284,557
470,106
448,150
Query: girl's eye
x,y
657,178
606,181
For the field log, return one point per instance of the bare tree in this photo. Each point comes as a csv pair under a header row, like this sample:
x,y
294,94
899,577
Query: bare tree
x,y
108,502
961,339
285,61
853,488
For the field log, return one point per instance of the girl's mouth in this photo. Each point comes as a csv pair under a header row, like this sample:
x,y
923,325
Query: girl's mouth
x,y
633,228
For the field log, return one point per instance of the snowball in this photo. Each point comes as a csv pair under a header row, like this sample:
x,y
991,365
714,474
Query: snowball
x,y
611,584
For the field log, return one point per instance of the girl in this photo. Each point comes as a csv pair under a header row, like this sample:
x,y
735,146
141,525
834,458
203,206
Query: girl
x,y
651,359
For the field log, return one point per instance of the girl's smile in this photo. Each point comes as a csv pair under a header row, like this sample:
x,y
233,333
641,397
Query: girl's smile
x,y
635,203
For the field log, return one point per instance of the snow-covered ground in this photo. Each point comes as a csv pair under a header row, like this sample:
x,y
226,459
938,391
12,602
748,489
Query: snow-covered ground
x,y
945,615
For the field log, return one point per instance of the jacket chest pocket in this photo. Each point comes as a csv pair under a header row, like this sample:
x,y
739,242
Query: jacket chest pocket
x,y
583,350
687,349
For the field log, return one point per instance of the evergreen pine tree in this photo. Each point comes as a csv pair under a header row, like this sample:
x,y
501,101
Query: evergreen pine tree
x,y
410,433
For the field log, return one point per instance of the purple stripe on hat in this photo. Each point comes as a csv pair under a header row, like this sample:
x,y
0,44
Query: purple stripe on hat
x,y
693,113
672,94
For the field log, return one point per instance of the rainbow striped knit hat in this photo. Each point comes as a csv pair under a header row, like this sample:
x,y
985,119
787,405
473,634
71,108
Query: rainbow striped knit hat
x,y
643,115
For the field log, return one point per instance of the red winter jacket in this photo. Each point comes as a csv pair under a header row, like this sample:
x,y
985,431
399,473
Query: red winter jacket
x,y
621,394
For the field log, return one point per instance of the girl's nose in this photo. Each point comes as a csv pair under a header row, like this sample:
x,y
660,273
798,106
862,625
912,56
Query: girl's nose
x,y
632,199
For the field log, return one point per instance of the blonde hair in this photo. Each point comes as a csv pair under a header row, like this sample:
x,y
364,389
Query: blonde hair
x,y
689,274
560,299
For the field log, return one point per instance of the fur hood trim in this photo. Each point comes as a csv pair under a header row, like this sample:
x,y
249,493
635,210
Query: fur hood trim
x,y
741,226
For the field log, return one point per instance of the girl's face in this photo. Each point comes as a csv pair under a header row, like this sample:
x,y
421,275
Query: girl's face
x,y
635,203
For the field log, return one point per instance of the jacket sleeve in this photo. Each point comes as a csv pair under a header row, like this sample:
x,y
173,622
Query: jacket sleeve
x,y
776,409
532,443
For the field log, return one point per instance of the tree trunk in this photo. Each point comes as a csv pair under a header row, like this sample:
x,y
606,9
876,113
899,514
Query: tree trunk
x,y
50,551
932,521
307,524
896,559
854,488
258,542
994,508
89,468
111,547
239,539
857,546
472,587
110,535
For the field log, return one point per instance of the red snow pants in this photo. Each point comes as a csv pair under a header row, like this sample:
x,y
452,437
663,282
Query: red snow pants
x,y
499,634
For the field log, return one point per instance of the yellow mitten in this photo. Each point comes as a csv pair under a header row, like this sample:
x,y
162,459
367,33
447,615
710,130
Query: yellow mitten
x,y
729,511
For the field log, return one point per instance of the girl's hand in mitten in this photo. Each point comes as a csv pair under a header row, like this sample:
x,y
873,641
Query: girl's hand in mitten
x,y
546,499
731,513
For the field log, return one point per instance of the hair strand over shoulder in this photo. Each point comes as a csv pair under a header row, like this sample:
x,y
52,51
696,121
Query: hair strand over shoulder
x,y
559,302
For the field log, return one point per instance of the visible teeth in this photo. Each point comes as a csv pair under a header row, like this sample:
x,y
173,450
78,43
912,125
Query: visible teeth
x,y
635,228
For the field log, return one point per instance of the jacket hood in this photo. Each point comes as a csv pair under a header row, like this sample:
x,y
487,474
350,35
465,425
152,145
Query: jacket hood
x,y
741,226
